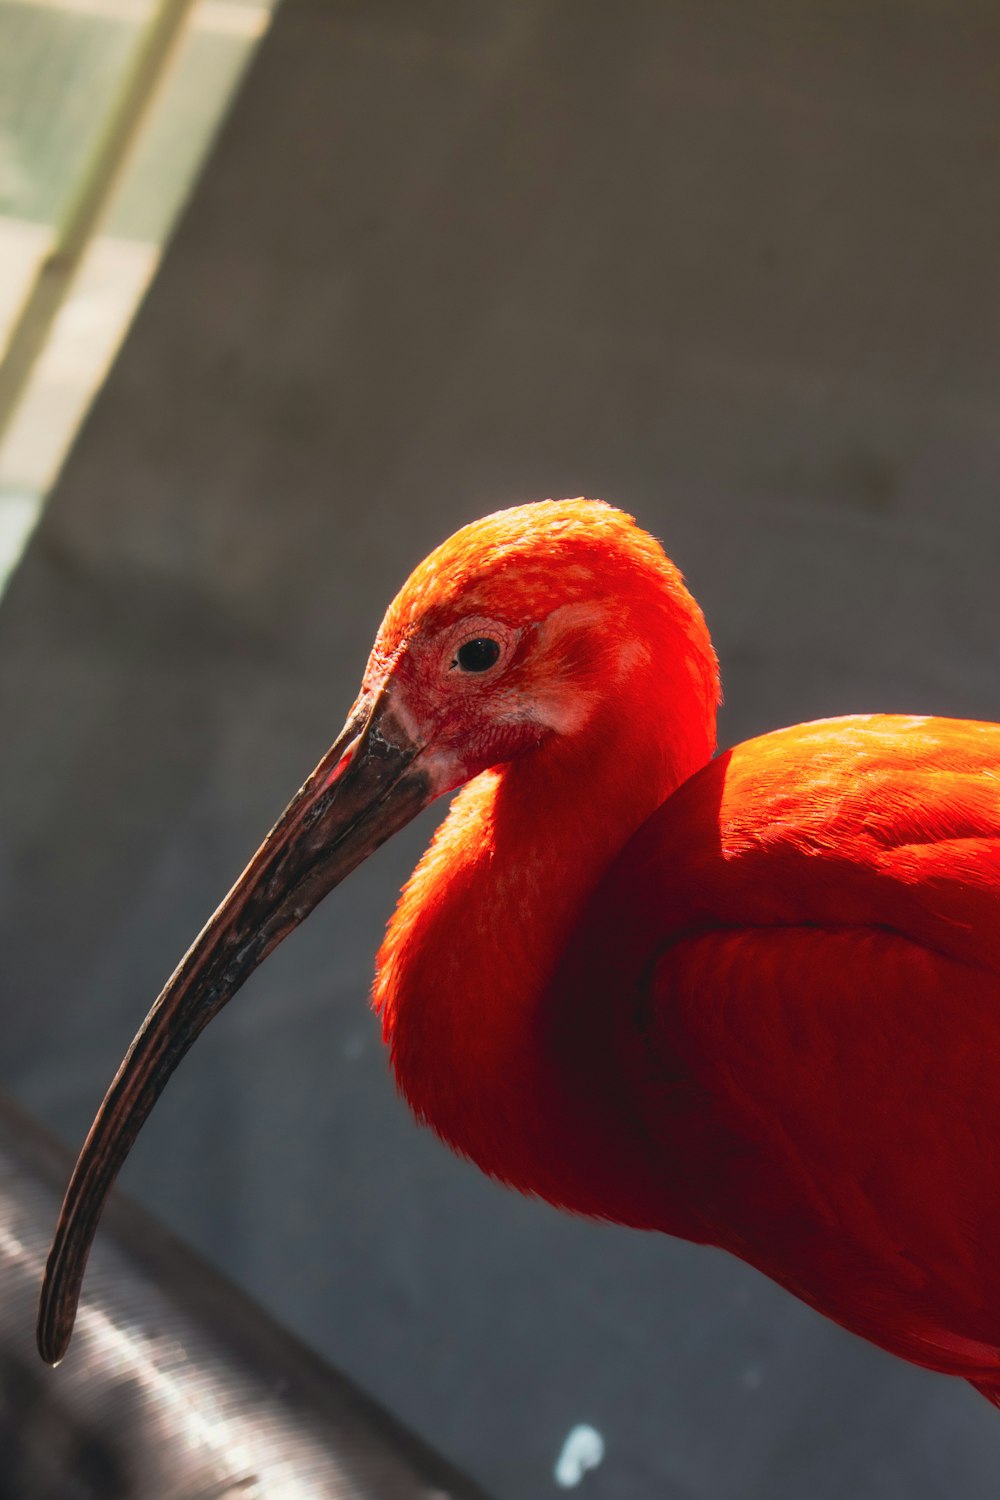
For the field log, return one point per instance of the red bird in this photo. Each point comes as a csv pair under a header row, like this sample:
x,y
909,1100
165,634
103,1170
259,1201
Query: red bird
x,y
753,1001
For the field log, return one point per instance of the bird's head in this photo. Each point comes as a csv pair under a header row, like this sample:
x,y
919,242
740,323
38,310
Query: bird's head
x,y
524,626
522,630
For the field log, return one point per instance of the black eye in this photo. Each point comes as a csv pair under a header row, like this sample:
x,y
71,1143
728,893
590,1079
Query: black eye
x,y
478,655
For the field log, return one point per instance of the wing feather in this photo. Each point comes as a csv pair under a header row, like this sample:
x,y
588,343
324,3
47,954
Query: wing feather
x,y
836,1091
811,1017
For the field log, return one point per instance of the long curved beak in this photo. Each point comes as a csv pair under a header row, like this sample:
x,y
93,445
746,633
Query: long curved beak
x,y
368,785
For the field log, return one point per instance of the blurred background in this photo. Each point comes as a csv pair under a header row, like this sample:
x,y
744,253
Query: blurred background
x,y
734,267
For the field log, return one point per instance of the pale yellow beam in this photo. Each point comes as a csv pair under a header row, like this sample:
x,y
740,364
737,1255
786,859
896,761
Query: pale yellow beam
x,y
216,16
154,53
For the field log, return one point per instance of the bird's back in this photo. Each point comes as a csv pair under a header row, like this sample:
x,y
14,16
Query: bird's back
x,y
877,820
811,1018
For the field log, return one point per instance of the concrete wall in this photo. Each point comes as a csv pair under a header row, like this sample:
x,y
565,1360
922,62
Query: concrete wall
x,y
732,266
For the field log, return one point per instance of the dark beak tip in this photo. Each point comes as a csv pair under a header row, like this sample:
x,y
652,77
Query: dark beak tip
x,y
51,1352
51,1339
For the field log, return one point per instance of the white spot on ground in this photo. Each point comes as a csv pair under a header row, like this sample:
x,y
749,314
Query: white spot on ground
x,y
752,1378
582,1451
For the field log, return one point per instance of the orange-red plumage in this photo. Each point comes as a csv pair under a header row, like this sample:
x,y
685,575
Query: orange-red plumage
x,y
770,1022
751,1000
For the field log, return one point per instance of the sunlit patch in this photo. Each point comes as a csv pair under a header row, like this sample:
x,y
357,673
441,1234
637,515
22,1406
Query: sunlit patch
x,y
631,653
407,721
560,701
582,1451
564,707
445,770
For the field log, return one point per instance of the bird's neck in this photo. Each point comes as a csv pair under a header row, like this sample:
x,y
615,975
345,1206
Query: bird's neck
x,y
506,1071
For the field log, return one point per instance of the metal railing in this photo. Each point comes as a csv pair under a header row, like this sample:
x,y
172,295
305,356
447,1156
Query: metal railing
x,y
177,1387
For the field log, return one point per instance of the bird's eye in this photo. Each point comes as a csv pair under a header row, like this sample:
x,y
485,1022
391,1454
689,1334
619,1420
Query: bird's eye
x,y
477,655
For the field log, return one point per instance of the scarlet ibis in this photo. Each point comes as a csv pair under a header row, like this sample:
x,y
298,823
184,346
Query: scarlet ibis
x,y
753,1000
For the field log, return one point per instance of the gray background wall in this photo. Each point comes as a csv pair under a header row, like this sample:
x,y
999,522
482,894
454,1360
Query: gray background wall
x,y
732,266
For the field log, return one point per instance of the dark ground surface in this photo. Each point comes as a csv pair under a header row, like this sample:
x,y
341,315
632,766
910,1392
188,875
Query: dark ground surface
x,y
734,267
